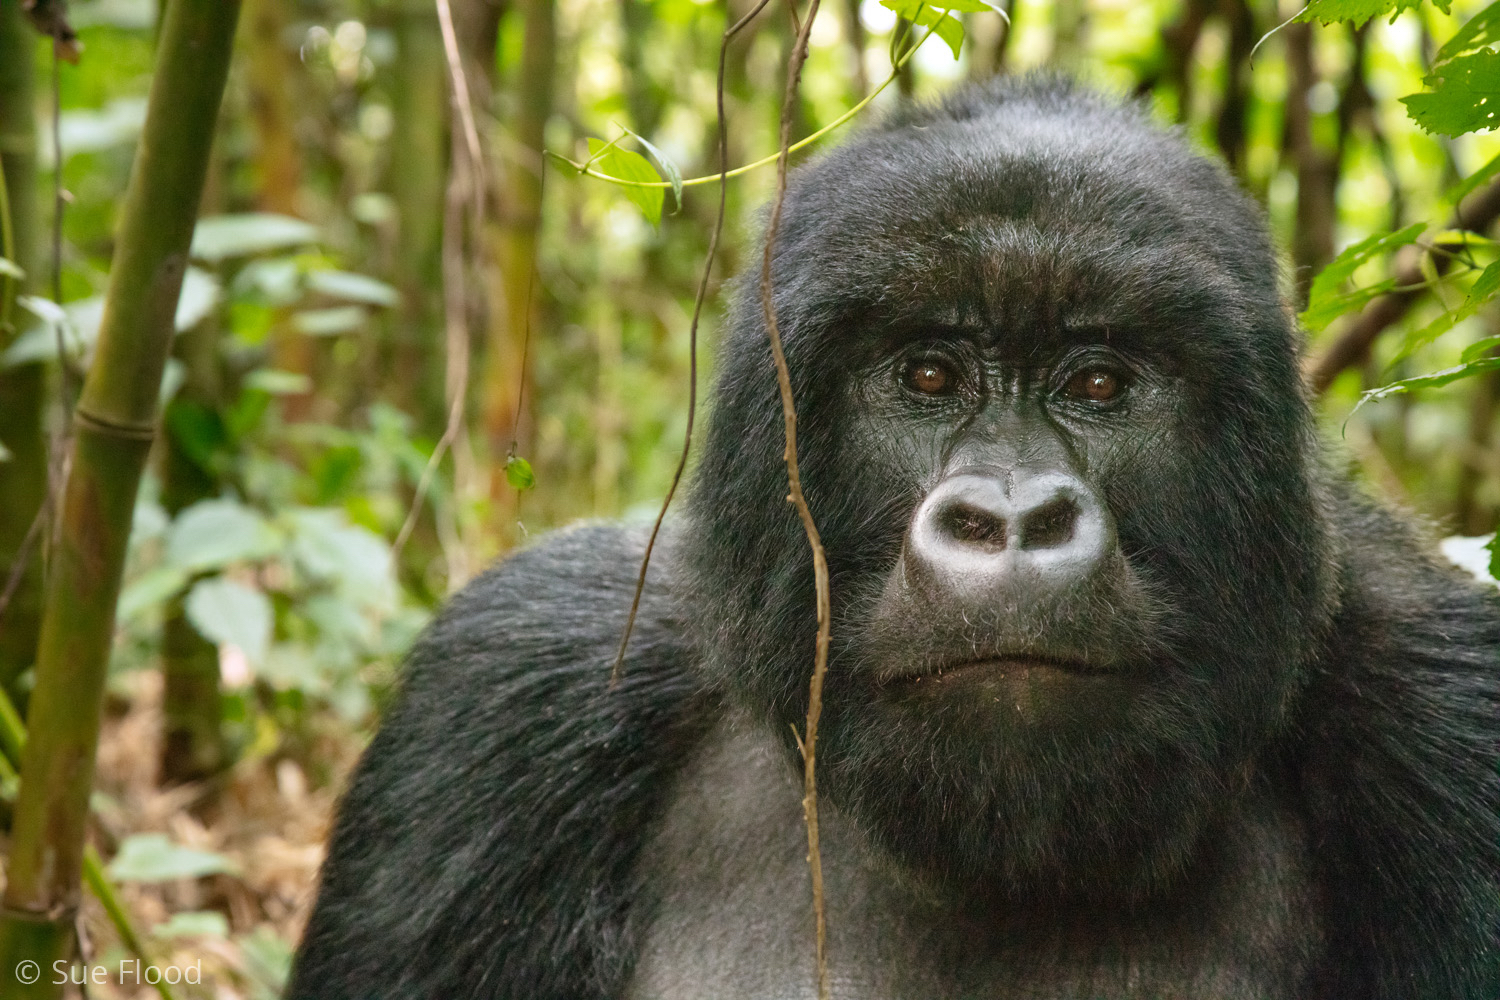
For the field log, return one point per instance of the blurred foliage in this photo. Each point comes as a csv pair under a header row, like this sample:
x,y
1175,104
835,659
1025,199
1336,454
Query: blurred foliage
x,y
321,323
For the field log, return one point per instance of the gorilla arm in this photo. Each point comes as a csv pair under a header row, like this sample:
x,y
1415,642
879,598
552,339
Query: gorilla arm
x,y
1400,771
486,845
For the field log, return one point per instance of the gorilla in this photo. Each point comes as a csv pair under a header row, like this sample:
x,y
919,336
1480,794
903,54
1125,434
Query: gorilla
x,y
1132,694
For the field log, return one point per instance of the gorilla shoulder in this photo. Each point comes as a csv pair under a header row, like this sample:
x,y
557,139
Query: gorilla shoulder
x,y
484,847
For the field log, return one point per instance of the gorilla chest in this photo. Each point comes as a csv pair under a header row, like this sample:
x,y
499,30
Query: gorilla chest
x,y
733,916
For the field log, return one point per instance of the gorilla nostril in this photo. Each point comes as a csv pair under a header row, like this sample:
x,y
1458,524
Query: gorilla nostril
x,y
1050,525
973,525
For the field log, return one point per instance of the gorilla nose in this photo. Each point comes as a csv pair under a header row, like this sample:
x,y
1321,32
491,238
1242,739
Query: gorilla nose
x,y
984,531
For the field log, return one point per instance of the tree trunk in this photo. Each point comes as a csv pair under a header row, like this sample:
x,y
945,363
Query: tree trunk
x,y
23,474
113,426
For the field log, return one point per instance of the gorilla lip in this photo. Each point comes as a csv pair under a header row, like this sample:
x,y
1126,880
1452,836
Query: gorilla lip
x,y
997,667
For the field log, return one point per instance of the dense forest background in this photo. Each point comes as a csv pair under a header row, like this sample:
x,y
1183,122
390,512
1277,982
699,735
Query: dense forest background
x,y
409,340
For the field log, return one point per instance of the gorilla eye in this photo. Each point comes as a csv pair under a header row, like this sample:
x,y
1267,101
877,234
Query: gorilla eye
x,y
1097,385
930,378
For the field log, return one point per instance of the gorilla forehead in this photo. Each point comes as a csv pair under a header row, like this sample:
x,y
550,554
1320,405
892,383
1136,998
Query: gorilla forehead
x,y
1041,209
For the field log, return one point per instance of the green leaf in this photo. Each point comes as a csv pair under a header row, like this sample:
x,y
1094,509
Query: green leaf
x,y
625,165
355,560
1432,381
150,589
212,534
354,288
221,237
1481,30
1493,547
1485,287
667,167
1331,307
562,163
1358,11
192,924
1326,299
10,269
1465,96
228,612
948,27
278,383
329,322
151,857
201,293
1479,349
518,473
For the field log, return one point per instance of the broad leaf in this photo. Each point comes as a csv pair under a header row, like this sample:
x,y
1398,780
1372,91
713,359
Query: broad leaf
x,y
1465,96
667,166
329,322
151,857
212,534
151,588
353,288
221,237
518,473
948,27
609,159
201,292
228,612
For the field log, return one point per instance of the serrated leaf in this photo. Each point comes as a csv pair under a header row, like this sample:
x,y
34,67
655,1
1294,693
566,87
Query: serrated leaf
x,y
151,857
518,473
948,27
1432,381
1465,96
228,612
667,167
1483,29
212,534
220,237
354,288
1326,299
1485,288
609,159
1358,11
1331,307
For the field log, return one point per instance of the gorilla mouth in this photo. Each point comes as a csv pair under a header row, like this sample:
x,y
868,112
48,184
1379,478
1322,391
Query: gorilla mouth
x,y
999,669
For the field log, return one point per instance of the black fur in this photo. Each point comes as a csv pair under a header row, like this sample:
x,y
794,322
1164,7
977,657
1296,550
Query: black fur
x,y
1293,652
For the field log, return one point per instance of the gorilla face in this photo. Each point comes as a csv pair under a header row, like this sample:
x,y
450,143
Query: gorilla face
x,y
1053,437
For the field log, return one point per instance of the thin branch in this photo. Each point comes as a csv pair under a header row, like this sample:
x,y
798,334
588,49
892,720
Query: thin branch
x,y
1478,212
708,265
465,184
765,161
809,741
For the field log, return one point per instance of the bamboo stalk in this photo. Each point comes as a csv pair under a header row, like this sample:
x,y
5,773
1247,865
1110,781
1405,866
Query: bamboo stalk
x,y
113,427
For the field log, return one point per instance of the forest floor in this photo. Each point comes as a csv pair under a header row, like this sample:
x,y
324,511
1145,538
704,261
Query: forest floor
x,y
234,932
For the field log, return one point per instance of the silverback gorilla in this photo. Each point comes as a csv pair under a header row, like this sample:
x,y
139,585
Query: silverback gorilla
x,y
1130,697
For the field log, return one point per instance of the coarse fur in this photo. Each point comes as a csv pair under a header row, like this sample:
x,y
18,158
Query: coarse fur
x,y
1277,775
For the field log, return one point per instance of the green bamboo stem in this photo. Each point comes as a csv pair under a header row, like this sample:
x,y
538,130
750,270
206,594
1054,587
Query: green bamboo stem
x,y
113,426
12,742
